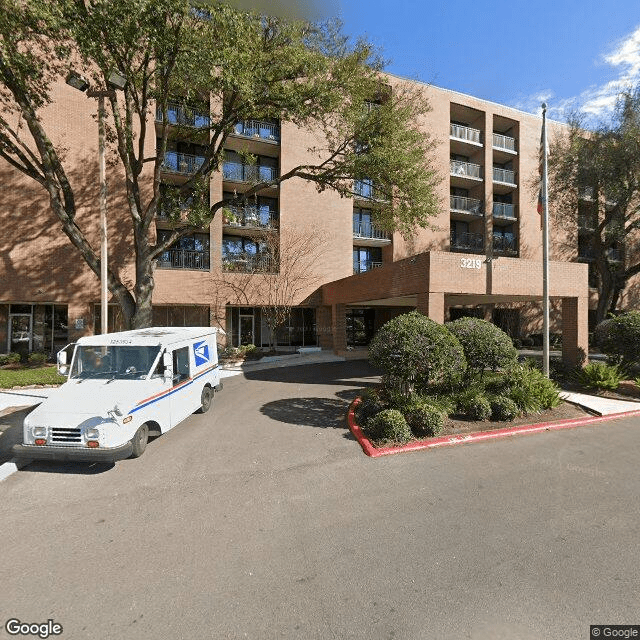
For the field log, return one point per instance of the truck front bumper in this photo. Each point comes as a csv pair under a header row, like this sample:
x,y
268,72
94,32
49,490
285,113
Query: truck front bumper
x,y
35,452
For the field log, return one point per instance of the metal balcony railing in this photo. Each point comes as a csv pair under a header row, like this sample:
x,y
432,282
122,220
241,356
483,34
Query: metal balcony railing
x,y
185,116
250,217
238,172
362,266
467,134
368,230
504,210
505,244
504,175
467,242
183,163
506,143
258,129
183,259
249,263
586,222
615,255
472,206
465,169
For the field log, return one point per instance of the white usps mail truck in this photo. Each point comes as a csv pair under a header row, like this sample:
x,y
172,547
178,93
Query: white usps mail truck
x,y
121,388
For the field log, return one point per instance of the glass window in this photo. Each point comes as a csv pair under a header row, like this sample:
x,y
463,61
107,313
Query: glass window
x,y
180,365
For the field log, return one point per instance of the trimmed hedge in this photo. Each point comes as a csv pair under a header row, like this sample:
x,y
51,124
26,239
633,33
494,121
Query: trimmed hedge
x,y
424,420
503,408
619,338
389,424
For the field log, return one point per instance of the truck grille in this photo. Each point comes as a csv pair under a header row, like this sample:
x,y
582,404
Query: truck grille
x,y
60,434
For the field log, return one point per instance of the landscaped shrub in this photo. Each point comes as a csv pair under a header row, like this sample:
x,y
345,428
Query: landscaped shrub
x,y
599,375
485,346
37,358
9,358
503,408
413,350
389,424
531,390
477,408
370,405
424,420
619,338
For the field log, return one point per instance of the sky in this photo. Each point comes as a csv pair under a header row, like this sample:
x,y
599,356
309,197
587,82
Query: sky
x,y
567,53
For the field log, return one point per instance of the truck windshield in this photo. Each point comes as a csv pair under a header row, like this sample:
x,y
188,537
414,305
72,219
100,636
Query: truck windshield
x,y
113,362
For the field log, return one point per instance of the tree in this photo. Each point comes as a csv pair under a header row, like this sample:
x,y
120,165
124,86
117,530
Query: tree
x,y
244,65
594,179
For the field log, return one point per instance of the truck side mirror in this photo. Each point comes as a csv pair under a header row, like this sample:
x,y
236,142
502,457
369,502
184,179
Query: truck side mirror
x,y
62,362
167,361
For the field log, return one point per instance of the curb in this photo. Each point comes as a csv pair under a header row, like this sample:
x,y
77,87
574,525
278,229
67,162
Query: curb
x,y
477,436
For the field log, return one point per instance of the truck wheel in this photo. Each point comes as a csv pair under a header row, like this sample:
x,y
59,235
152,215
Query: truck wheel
x,y
139,441
205,400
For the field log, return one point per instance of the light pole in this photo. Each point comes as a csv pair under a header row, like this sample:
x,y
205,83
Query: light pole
x,y
116,80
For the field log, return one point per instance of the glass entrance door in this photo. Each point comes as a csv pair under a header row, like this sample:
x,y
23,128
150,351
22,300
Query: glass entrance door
x,y
246,330
20,332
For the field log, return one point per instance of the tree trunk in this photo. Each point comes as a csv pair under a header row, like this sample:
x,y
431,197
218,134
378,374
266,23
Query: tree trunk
x,y
143,316
605,294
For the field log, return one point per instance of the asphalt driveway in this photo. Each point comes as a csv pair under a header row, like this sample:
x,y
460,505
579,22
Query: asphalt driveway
x,y
263,519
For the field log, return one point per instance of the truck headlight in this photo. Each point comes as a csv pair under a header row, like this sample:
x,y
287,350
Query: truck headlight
x,y
39,432
92,434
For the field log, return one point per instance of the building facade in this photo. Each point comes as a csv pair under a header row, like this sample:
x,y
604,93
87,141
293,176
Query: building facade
x,y
482,255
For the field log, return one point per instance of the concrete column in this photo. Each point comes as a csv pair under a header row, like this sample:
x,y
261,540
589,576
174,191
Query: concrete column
x,y
432,306
323,327
575,331
339,327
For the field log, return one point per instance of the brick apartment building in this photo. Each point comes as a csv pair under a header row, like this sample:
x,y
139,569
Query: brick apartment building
x,y
483,255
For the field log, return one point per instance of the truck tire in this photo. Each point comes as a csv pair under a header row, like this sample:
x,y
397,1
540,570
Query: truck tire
x,y
139,441
205,400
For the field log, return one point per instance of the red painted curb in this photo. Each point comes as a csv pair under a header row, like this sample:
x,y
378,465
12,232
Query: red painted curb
x,y
445,441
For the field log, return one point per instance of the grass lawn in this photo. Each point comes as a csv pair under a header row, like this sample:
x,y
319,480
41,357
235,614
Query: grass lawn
x,y
24,377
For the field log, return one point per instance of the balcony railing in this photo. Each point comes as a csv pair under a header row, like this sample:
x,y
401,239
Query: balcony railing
x,y
238,172
250,217
183,163
504,210
467,242
258,129
366,265
249,263
472,206
506,143
504,175
587,223
183,259
465,133
505,244
185,116
465,169
368,230
365,189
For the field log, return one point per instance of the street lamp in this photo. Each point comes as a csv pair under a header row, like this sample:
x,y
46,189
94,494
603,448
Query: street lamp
x,y
116,81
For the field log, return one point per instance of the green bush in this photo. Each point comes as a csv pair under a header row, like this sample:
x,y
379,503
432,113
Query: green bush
x,y
389,424
9,358
599,375
485,346
424,420
37,358
619,338
503,408
478,408
371,404
412,349
637,381
531,390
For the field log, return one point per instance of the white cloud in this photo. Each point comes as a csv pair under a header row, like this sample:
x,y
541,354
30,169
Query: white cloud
x,y
598,100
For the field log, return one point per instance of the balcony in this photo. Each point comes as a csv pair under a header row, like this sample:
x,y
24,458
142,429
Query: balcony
x,y
363,266
505,176
469,206
368,231
504,211
238,172
504,143
507,245
181,163
461,169
587,222
469,242
184,116
466,134
183,259
258,129
250,218
249,263
365,190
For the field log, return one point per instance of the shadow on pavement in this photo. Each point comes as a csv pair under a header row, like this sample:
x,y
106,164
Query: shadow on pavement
x,y
350,373
11,432
77,468
308,412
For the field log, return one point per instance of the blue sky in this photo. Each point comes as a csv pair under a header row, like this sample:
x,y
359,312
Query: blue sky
x,y
569,53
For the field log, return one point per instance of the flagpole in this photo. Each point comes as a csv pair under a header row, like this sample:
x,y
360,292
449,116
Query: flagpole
x,y
545,248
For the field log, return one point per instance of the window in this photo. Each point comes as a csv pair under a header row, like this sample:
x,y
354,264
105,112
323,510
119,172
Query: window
x,y
366,258
188,252
180,365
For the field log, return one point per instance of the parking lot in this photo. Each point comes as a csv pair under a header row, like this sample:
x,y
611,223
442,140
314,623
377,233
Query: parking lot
x,y
263,519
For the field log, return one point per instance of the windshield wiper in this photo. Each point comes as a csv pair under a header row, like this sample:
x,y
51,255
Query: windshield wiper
x,y
97,373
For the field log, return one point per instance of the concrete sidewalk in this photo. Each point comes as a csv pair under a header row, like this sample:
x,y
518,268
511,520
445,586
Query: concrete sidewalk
x,y
598,405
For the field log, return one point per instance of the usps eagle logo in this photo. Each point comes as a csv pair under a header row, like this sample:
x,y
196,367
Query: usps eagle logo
x,y
201,353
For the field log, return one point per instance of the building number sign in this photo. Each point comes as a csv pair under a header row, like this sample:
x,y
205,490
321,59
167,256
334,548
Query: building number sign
x,y
470,263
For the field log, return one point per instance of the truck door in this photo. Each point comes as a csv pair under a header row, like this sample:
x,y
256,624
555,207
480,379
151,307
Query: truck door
x,y
182,396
